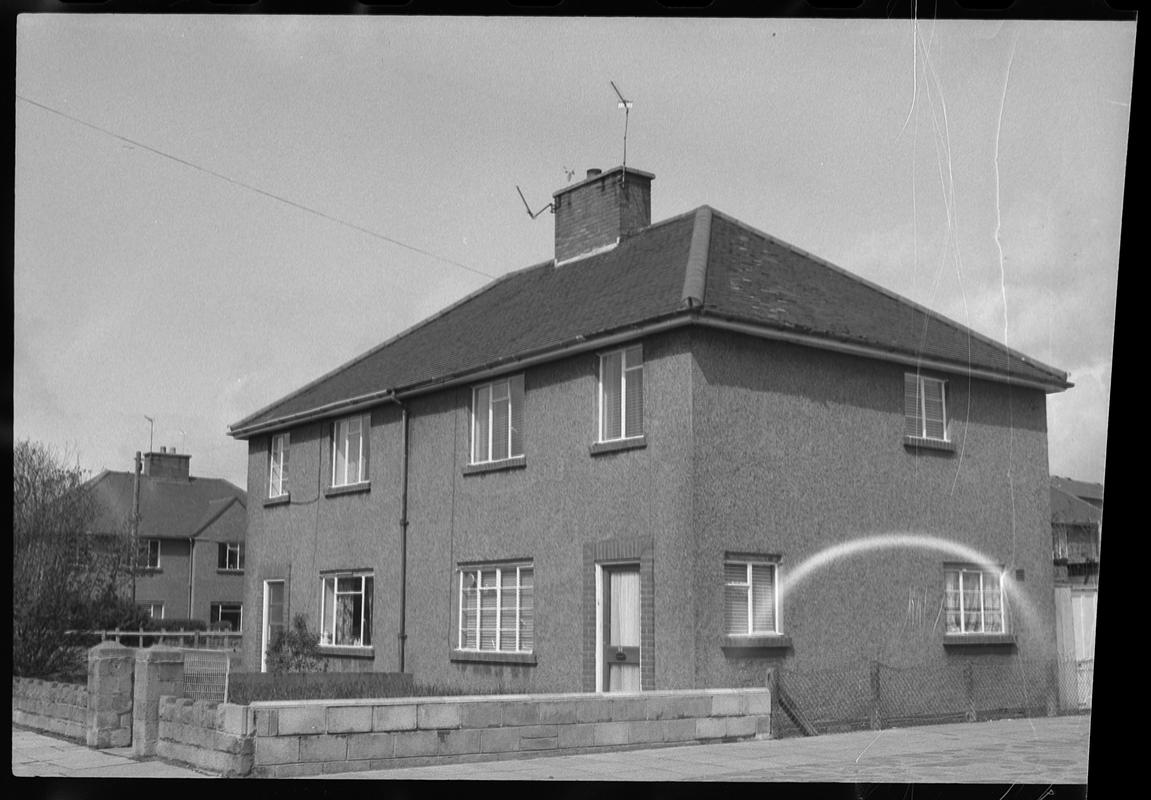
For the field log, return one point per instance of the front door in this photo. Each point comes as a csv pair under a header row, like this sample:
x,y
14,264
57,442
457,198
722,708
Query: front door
x,y
621,671
273,618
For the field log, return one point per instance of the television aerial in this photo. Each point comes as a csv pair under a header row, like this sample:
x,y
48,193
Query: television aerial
x,y
626,105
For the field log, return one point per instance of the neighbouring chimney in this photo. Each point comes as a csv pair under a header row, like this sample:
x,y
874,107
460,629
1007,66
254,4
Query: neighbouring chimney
x,y
167,464
597,212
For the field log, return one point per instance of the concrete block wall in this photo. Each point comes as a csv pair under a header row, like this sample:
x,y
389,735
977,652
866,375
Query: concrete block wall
x,y
51,706
320,737
212,736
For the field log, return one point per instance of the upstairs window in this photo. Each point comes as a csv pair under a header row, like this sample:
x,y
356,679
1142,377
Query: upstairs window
x,y
749,598
350,451
346,610
496,608
278,466
621,394
148,553
973,601
925,407
231,556
497,420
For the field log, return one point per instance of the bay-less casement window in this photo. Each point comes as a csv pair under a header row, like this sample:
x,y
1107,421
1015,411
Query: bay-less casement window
x,y
346,609
749,597
496,608
497,420
350,450
621,394
148,553
230,556
973,600
232,613
925,407
278,466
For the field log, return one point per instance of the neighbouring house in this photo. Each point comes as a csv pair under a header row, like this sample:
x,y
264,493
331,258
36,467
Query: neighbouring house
x,y
190,537
673,456
1076,533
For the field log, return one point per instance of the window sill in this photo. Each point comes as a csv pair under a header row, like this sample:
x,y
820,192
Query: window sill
x,y
635,443
278,500
347,651
353,488
979,640
777,641
491,657
920,443
229,571
518,462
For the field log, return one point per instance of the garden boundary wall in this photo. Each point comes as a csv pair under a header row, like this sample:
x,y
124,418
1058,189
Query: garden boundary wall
x,y
314,737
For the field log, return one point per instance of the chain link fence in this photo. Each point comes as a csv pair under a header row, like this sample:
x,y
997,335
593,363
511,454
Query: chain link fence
x,y
872,694
206,675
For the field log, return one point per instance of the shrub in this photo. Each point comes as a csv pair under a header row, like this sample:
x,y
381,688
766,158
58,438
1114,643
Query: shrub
x,y
295,649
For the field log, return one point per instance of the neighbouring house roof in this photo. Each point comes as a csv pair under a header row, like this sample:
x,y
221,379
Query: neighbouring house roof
x,y
1067,509
1088,492
700,268
169,509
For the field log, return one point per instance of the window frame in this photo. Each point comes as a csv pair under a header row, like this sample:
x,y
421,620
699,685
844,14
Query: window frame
x,y
151,606
920,418
511,395
364,421
367,607
148,542
751,562
216,607
969,569
279,488
497,567
224,553
625,434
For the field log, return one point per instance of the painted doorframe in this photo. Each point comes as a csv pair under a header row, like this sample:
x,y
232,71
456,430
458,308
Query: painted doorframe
x,y
264,619
600,583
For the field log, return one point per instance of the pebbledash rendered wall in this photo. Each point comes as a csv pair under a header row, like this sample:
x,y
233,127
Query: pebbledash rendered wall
x,y
828,466
751,447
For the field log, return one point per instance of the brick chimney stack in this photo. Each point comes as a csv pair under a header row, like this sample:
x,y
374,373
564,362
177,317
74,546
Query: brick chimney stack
x,y
596,213
167,464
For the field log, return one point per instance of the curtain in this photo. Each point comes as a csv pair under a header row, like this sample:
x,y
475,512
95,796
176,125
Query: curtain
x,y
624,629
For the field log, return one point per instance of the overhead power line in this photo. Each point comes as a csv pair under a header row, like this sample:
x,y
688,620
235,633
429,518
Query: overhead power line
x,y
252,188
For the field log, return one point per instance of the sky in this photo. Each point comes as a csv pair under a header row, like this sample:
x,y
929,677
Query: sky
x,y
212,211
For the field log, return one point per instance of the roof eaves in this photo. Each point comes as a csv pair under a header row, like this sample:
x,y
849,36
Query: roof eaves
x,y
1060,376
236,429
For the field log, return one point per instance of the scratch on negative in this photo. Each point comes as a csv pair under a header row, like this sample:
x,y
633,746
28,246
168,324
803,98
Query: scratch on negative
x,y
869,744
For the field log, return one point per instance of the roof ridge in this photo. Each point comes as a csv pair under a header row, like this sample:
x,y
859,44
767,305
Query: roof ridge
x,y
957,326
373,350
695,270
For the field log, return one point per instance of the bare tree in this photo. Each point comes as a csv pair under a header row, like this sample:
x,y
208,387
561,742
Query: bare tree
x,y
63,577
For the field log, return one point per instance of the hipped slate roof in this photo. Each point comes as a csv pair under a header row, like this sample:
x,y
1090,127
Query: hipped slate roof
x,y
700,268
169,509
1068,509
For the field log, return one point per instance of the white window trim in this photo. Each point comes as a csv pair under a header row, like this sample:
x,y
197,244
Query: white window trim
x,y
148,541
151,606
982,604
507,385
328,635
624,370
230,548
278,488
217,606
265,634
777,616
498,569
921,382
365,427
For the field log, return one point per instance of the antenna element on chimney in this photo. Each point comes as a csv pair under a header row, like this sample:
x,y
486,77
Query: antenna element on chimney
x,y
535,214
626,106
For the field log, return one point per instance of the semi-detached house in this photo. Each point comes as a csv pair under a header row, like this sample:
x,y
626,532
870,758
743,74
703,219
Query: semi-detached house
x,y
630,467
